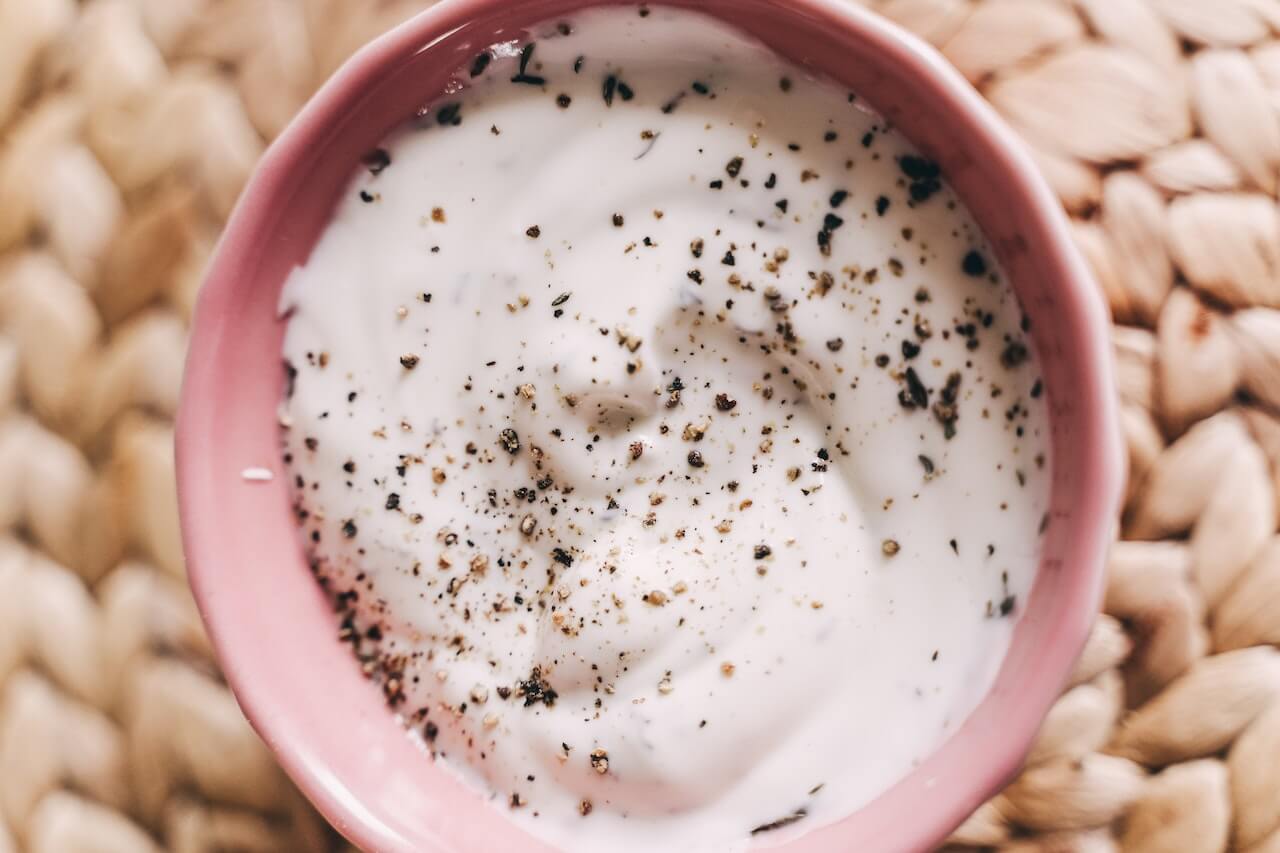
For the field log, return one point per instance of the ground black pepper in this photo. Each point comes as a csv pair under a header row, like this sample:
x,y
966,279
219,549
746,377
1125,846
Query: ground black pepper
x,y
946,410
1014,355
536,689
915,395
974,264
924,176
377,161
449,114
522,76
798,814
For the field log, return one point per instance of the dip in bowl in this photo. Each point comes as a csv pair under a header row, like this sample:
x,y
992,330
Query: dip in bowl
x,y
253,574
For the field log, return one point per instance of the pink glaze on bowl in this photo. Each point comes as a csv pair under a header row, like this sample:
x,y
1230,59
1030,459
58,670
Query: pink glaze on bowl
x,y
273,629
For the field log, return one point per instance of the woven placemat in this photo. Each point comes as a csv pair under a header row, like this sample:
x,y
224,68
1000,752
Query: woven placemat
x,y
127,129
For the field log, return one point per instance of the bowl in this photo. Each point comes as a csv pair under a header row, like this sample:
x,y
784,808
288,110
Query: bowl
x,y
275,632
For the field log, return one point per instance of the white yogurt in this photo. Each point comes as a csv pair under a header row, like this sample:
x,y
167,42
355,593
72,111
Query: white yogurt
x,y
620,434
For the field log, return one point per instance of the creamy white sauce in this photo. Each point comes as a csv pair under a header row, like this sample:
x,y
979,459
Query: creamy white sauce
x,y
788,628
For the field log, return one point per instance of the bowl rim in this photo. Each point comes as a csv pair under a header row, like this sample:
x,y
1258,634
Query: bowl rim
x,y
1102,475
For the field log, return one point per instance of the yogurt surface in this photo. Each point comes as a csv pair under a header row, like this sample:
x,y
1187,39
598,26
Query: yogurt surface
x,y
667,435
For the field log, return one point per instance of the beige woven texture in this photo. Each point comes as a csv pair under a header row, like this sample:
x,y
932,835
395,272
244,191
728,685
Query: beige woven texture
x,y
127,129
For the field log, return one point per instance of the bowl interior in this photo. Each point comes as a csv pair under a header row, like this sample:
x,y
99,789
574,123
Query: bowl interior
x,y
275,632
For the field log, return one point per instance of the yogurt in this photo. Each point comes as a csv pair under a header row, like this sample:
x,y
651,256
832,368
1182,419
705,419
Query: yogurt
x,y
667,436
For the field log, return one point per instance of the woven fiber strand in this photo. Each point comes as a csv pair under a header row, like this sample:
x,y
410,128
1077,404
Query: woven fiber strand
x,y
127,130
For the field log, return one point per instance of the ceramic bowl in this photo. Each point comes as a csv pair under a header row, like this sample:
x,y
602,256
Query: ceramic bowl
x,y
275,633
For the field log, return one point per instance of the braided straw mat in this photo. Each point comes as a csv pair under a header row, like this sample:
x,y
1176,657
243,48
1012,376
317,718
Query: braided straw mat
x,y
127,129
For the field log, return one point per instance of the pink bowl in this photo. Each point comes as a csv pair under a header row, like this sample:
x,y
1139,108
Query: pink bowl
x,y
273,629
